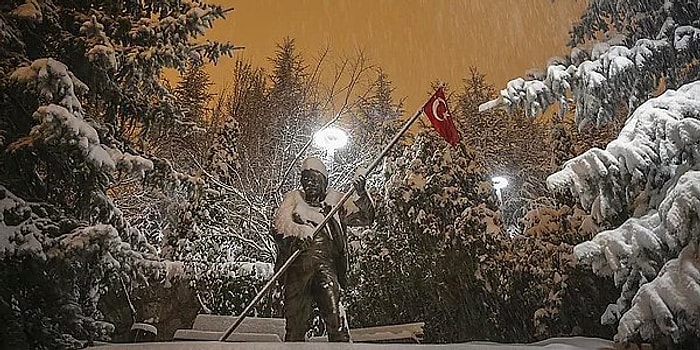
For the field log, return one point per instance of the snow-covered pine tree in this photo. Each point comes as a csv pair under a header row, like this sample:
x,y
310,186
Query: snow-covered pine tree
x,y
505,144
370,126
198,128
433,193
647,175
644,183
245,100
78,81
290,115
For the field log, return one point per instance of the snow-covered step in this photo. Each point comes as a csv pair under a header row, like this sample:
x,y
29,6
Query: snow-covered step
x,y
218,323
400,333
192,334
205,327
556,344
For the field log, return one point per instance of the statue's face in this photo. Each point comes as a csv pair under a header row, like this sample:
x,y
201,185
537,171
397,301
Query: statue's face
x,y
313,183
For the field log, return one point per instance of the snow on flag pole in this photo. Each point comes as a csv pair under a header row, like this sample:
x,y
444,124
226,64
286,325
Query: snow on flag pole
x,y
439,116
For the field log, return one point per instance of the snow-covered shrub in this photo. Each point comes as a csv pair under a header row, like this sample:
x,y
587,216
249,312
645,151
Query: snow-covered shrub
x,y
566,297
227,288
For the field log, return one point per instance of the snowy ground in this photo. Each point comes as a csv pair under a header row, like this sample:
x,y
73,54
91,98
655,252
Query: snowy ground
x,y
575,343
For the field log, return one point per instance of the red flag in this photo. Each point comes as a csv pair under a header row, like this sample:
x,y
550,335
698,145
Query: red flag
x,y
439,115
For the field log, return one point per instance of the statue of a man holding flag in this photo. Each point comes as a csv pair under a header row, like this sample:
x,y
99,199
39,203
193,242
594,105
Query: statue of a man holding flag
x,y
319,271
312,259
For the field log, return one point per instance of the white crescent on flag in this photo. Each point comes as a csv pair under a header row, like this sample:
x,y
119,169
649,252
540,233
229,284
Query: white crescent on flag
x,y
439,115
436,109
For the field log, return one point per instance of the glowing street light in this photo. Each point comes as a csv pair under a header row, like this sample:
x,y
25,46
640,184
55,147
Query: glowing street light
x,y
330,139
499,183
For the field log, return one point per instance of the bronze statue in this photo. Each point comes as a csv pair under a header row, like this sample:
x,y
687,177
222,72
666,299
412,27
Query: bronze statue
x,y
319,271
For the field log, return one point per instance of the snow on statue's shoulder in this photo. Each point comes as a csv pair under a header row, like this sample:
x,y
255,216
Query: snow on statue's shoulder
x,y
293,205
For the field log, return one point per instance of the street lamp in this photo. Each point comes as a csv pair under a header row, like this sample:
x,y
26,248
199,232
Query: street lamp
x,y
499,183
330,139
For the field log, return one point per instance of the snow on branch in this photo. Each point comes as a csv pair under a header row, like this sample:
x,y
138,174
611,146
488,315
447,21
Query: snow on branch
x,y
178,34
612,74
612,252
679,211
18,235
53,82
656,137
686,38
26,230
638,173
100,48
61,120
667,305
237,269
634,252
29,10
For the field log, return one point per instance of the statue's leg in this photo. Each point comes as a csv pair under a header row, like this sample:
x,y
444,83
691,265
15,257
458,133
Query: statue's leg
x,y
297,303
327,295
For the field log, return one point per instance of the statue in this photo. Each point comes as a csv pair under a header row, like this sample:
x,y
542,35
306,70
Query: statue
x,y
319,271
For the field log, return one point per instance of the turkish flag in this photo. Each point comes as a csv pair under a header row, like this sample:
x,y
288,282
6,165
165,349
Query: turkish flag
x,y
439,115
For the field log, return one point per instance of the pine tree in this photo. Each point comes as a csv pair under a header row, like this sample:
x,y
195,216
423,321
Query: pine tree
x,y
433,193
379,113
379,107
370,126
79,82
506,145
642,184
196,131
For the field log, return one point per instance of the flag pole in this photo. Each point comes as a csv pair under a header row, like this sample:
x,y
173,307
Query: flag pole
x,y
318,228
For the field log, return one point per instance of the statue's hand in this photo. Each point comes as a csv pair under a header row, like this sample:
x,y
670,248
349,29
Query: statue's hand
x,y
359,183
325,209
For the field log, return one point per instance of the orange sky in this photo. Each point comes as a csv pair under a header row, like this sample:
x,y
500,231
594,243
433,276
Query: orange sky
x,y
414,41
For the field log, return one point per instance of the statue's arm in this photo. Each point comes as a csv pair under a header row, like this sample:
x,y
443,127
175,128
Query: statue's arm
x,y
359,211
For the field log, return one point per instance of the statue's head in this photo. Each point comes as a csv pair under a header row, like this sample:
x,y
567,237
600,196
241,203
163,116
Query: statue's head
x,y
314,178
